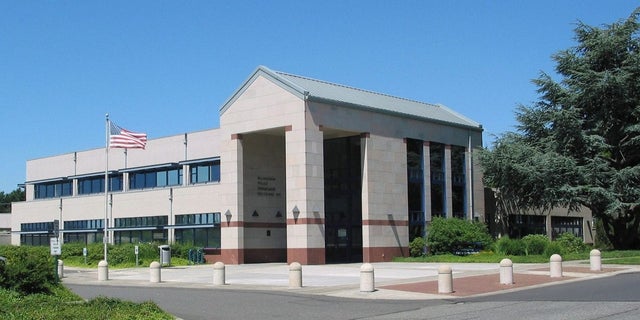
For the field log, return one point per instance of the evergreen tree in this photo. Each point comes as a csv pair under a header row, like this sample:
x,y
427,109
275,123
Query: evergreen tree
x,y
579,145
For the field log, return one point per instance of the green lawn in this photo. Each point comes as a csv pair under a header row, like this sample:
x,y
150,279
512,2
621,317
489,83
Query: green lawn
x,y
64,304
610,257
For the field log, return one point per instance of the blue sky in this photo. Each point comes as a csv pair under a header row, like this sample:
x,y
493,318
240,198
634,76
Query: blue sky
x,y
165,67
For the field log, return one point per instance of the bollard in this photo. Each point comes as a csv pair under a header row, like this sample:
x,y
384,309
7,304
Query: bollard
x,y
295,275
367,279
103,271
155,272
218,274
555,266
506,272
445,279
595,260
60,269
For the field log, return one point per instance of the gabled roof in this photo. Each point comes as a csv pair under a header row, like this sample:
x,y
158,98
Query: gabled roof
x,y
327,92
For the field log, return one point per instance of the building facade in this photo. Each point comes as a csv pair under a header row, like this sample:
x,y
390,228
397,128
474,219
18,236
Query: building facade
x,y
299,170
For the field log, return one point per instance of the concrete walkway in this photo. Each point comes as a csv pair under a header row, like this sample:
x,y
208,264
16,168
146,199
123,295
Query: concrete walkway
x,y
402,281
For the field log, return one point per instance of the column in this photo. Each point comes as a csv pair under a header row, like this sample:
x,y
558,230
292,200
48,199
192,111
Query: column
x,y
426,165
305,194
448,181
232,215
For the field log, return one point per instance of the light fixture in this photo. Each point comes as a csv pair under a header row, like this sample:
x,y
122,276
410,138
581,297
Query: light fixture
x,y
296,213
228,215
278,214
255,213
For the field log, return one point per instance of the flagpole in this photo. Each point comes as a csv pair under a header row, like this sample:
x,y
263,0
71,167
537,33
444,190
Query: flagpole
x,y
106,188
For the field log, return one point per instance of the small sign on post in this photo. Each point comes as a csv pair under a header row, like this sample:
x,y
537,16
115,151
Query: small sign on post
x,y
56,249
136,252
84,253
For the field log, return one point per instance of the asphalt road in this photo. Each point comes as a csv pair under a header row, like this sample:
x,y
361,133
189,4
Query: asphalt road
x,y
615,297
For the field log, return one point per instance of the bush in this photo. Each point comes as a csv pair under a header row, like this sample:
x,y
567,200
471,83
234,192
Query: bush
x,y
535,243
570,243
416,247
456,235
553,248
27,270
511,247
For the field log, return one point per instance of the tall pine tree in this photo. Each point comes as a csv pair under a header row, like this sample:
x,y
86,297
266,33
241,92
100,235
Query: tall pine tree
x,y
579,144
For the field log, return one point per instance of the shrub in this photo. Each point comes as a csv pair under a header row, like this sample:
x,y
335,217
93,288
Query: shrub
x,y
553,248
570,243
456,235
535,243
416,247
27,270
513,247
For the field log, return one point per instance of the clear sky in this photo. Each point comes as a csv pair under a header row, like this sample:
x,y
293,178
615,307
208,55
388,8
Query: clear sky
x,y
166,67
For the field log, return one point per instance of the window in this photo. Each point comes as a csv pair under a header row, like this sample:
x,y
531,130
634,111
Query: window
x,y
436,162
206,236
83,224
137,222
165,177
560,225
522,225
415,188
205,172
96,184
198,218
56,189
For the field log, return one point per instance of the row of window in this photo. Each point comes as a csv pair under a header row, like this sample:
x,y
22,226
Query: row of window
x,y
203,172
134,222
522,225
138,222
96,184
37,226
84,224
198,218
198,237
53,189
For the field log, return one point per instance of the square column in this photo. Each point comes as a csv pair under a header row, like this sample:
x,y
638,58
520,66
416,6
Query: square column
x,y
232,216
448,182
426,169
305,195
385,220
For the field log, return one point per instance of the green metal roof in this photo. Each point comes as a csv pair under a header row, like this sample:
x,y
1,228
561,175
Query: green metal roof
x,y
322,91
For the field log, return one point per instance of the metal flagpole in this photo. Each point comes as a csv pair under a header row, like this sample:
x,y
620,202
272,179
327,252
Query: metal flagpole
x,y
106,188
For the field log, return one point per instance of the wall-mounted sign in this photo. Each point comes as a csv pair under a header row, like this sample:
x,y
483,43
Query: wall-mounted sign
x,y
267,187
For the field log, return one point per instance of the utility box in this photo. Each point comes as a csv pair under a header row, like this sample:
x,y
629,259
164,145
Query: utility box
x,y
165,255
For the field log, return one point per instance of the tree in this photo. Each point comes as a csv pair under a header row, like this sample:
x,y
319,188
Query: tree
x,y
579,145
7,198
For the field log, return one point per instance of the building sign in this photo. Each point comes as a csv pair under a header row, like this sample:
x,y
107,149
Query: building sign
x,y
267,187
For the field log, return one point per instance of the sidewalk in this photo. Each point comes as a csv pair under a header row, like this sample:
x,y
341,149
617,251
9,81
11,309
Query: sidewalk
x,y
395,281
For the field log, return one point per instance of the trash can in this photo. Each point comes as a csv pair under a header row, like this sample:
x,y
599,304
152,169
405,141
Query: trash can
x,y
165,255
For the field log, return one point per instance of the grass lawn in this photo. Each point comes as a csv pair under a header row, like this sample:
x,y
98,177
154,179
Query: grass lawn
x,y
611,257
64,304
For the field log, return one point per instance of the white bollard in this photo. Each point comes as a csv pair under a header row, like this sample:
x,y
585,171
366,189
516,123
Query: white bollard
x,y
60,269
506,271
445,279
295,275
103,271
595,260
155,272
367,279
555,266
219,274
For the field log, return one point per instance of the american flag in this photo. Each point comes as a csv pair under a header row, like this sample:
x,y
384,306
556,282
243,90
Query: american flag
x,y
123,138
